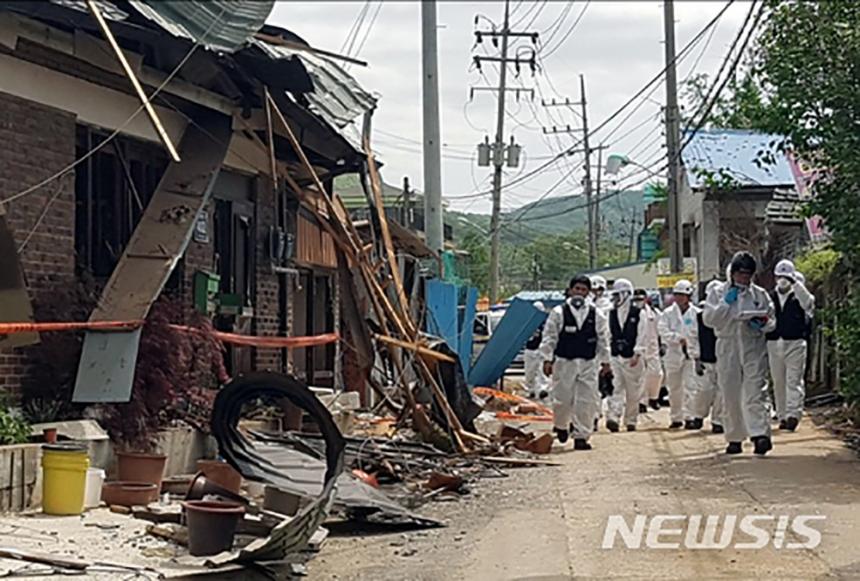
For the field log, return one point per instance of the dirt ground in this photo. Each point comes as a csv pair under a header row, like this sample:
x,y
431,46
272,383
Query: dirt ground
x,y
549,523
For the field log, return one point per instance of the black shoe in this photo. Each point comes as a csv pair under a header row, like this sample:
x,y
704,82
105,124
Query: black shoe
x,y
562,435
717,429
791,424
763,445
783,424
654,403
579,444
643,408
698,423
595,424
631,428
676,425
690,424
612,425
734,448
543,394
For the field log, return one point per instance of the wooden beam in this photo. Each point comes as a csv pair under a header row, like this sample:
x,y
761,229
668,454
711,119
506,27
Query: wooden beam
x,y
414,347
144,99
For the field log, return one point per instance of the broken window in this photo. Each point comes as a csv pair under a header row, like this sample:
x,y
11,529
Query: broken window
x,y
112,189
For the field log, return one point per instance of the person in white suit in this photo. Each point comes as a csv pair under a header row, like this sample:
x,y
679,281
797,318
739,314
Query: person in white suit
x,y
628,329
680,336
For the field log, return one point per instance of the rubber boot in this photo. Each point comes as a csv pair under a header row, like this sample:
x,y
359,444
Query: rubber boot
x,y
654,404
791,424
580,444
698,423
734,448
643,409
783,424
676,425
717,429
612,425
631,427
689,424
763,445
562,435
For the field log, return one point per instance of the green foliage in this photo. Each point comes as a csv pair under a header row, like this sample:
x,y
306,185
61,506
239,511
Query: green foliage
x,y
818,265
807,62
14,429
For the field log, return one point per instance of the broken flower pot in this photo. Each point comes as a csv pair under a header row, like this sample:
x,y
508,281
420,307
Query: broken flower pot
x,y
125,493
140,467
211,525
221,473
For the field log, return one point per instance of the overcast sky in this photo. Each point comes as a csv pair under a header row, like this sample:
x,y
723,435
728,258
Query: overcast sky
x,y
618,46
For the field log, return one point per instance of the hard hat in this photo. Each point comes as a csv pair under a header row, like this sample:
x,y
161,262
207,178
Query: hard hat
x,y
640,293
798,276
784,268
622,285
683,287
711,286
539,306
743,261
598,282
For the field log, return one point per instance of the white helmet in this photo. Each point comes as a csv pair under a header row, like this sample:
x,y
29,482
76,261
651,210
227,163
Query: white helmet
x,y
798,276
683,287
598,282
539,306
622,285
785,268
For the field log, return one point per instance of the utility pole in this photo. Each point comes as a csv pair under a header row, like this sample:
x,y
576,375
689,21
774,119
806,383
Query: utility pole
x,y
673,140
498,148
433,228
406,218
592,242
597,203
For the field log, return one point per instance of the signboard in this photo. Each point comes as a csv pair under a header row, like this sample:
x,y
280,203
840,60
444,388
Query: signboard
x,y
664,267
669,280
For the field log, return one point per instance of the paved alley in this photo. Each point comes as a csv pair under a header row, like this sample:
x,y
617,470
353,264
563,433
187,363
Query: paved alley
x,y
549,523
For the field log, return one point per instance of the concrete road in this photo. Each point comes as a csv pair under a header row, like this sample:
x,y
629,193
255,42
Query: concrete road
x,y
549,523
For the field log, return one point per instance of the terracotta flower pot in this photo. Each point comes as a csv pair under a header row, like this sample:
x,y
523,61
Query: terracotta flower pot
x,y
211,525
221,473
50,435
201,487
126,493
139,467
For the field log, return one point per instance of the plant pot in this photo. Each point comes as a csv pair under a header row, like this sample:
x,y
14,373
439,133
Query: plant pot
x,y
124,493
201,486
50,435
138,467
221,474
211,525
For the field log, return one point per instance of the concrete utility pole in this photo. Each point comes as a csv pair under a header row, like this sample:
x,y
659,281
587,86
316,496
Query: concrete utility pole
x,y
433,228
498,162
498,149
597,195
673,141
592,241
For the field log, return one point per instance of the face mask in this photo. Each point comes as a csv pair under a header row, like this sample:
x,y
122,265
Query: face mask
x,y
783,285
742,287
577,302
638,303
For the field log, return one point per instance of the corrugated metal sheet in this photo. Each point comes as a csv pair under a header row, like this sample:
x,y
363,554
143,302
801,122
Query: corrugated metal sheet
x,y
520,321
221,25
735,153
108,9
337,97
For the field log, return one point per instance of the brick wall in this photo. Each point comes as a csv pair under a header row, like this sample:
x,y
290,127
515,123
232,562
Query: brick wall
x,y
266,305
36,142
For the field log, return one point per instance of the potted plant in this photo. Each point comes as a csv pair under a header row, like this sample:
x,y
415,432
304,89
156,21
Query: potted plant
x,y
175,378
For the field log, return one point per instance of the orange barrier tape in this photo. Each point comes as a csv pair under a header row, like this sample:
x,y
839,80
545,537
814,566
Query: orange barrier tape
x,y
12,328
522,418
233,338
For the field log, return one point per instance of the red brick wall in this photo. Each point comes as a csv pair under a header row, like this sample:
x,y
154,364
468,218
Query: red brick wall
x,y
36,142
266,305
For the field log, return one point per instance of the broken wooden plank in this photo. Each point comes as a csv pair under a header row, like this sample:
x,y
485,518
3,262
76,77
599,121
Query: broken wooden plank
x,y
44,558
413,347
518,461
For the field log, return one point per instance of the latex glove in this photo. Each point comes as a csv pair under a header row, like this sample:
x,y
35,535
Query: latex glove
x,y
700,368
731,295
757,324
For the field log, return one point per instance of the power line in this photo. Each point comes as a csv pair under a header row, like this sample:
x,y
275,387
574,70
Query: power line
x,y
569,32
369,29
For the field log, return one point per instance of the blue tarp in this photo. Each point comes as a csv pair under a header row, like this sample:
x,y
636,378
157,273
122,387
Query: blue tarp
x,y
520,321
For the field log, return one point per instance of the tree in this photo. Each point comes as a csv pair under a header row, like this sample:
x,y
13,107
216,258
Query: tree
x,y
807,62
744,106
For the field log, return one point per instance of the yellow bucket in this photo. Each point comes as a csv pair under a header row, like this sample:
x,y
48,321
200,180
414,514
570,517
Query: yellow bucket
x,y
65,478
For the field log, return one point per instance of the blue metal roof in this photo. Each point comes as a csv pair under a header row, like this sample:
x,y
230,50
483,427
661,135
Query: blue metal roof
x,y
735,153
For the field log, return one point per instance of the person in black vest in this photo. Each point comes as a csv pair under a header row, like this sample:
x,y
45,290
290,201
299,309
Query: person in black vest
x,y
787,344
706,397
575,346
627,327
535,380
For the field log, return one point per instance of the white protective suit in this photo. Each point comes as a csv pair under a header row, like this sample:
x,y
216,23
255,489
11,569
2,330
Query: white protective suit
x,y
706,397
627,380
741,359
788,361
680,363
652,372
574,381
